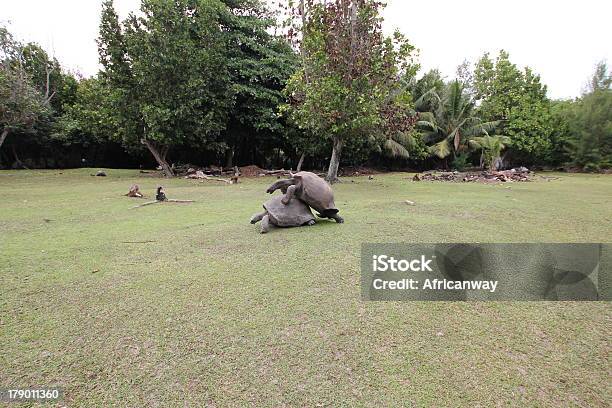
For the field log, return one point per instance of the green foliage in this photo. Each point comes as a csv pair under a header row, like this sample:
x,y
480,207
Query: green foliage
x,y
453,123
426,91
208,78
600,80
491,148
563,115
591,147
204,74
170,75
259,66
461,162
348,87
582,135
92,118
21,104
58,87
518,99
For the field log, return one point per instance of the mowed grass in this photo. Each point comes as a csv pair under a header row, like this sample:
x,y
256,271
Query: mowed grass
x,y
188,305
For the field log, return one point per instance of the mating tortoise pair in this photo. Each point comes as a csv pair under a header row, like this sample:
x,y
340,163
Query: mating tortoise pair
x,y
309,190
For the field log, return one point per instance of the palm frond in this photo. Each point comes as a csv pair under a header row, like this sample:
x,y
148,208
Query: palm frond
x,y
481,128
427,116
476,143
506,140
454,99
405,139
431,137
395,149
441,149
427,125
490,126
421,103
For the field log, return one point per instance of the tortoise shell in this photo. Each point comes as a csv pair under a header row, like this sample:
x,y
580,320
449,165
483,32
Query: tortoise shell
x,y
294,214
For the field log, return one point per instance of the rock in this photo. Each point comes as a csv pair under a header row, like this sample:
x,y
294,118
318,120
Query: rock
x,y
481,177
101,174
410,202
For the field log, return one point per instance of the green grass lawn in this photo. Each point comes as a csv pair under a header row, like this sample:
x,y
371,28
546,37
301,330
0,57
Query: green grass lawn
x,y
188,305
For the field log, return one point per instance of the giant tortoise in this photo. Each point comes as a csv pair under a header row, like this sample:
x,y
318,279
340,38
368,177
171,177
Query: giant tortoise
x,y
312,190
292,214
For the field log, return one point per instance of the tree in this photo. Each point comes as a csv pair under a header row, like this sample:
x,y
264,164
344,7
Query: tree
x,y
453,123
169,74
259,66
591,124
465,75
348,83
490,147
20,103
57,87
592,147
92,118
518,100
601,79
426,91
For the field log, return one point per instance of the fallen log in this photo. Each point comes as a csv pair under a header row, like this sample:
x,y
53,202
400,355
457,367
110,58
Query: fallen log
x,y
147,203
276,172
216,179
167,200
199,175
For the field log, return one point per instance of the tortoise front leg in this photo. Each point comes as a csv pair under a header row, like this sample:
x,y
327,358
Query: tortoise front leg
x,y
337,218
281,184
257,217
288,195
265,224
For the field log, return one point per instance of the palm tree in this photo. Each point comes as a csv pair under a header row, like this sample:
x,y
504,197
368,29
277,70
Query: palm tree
x,y
398,145
490,147
453,123
398,137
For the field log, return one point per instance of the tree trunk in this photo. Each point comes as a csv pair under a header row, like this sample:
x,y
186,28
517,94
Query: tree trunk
x,y
160,156
18,161
502,161
334,163
229,157
3,136
496,163
300,162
